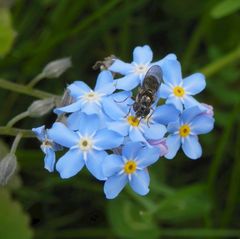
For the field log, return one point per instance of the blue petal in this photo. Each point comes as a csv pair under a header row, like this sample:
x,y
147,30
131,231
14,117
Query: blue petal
x,y
170,56
173,143
113,109
202,124
191,147
73,120
189,101
172,72
121,127
142,55
104,83
60,134
49,160
131,150
128,82
122,96
154,131
165,114
138,182
78,88
91,108
189,114
147,157
76,106
94,163
123,100
164,91
136,136
70,163
107,139
114,185
112,164
176,101
40,132
173,126
88,124
121,67
194,83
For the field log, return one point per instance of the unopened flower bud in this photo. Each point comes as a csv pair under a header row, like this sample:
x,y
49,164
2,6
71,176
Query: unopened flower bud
x,y
7,168
209,110
161,143
56,68
41,107
104,64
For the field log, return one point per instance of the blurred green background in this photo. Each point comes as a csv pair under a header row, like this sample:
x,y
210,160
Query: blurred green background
x,y
188,199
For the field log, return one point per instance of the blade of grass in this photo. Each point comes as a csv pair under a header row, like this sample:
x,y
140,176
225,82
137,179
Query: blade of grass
x,y
234,188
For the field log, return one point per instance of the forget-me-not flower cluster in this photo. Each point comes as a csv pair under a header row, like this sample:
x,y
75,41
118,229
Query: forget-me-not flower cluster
x,y
99,129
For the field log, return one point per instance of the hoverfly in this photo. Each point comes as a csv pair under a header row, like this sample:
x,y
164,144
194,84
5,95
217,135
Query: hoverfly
x,y
147,92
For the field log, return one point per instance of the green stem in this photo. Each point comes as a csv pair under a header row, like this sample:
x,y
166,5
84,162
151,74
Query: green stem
x,y
85,233
15,131
15,143
17,118
33,82
195,39
104,10
234,188
221,148
193,233
24,89
214,67
147,204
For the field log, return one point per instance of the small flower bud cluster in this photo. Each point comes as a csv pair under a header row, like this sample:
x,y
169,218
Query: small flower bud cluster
x,y
117,135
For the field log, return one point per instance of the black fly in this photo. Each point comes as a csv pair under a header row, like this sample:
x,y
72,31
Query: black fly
x,y
147,92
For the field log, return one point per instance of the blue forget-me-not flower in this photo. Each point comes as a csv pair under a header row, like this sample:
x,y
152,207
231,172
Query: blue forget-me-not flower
x,y
130,167
178,91
86,146
87,100
184,132
135,71
99,128
48,147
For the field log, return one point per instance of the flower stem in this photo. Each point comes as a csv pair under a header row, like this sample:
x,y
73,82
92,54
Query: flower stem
x,y
15,131
204,232
214,67
15,143
196,39
17,118
24,89
35,80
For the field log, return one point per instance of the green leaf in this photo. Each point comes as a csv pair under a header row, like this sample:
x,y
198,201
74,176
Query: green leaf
x,y
186,204
129,220
7,33
225,8
13,221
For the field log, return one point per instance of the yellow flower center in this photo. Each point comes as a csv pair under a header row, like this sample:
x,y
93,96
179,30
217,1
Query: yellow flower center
x,y
133,121
184,130
85,144
130,167
178,91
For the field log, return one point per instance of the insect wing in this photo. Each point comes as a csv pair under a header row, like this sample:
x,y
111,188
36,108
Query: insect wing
x,y
153,78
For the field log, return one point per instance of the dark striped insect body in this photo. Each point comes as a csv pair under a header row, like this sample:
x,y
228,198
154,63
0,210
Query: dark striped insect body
x,y
146,95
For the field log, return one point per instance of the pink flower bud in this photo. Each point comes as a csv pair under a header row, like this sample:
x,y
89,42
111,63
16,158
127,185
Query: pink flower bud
x,y
160,143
